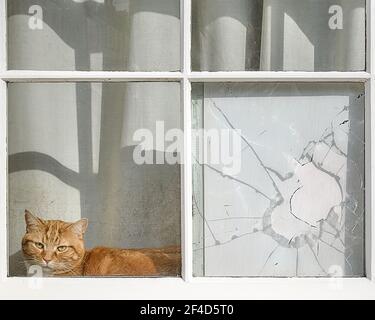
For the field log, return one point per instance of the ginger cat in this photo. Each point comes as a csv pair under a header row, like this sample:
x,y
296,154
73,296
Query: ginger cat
x,y
58,247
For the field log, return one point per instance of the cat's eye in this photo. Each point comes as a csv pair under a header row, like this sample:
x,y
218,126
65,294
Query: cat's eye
x,y
39,245
62,248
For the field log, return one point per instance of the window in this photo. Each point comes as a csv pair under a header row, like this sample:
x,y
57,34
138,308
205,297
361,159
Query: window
x,y
238,132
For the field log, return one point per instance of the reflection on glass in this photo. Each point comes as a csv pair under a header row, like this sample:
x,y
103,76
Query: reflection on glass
x,y
278,35
124,35
71,156
294,205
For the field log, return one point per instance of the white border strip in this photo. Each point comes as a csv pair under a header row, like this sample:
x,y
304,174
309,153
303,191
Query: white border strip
x,y
369,180
186,183
167,288
3,145
247,76
272,76
370,145
92,76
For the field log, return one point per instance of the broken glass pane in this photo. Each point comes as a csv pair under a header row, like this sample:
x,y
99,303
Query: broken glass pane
x,y
290,203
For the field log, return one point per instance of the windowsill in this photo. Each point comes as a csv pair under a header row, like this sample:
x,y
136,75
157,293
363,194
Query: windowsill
x,y
198,288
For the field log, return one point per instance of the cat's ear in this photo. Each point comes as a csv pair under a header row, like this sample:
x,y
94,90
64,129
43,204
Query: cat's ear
x,y
79,227
32,222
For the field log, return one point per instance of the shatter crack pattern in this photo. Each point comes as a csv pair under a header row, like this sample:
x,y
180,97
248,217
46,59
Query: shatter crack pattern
x,y
290,223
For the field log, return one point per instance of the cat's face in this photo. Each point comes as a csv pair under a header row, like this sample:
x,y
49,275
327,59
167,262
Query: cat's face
x,y
52,244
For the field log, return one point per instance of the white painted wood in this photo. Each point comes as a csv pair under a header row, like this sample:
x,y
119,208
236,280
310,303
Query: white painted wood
x,y
78,76
186,36
246,76
369,180
187,220
187,183
3,147
209,288
370,146
272,76
370,9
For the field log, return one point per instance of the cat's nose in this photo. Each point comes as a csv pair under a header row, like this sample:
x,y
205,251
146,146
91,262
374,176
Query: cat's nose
x,y
46,260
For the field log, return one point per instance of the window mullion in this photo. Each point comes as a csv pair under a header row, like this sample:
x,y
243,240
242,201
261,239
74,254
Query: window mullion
x,y
273,76
186,183
92,76
369,181
370,145
3,182
3,146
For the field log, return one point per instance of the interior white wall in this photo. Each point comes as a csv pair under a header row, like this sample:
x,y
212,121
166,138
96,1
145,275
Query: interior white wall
x,y
70,145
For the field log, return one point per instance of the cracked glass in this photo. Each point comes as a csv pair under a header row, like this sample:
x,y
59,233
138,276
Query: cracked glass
x,y
292,203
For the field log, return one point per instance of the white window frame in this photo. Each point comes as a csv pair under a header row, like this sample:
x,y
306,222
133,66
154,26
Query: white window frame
x,y
189,287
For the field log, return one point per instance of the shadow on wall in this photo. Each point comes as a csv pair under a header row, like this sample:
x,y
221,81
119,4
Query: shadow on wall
x,y
17,266
212,21
111,29
277,35
141,209
144,212
127,205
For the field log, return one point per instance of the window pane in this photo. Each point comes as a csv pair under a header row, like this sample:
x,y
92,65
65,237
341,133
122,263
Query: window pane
x,y
124,35
279,35
284,194
74,153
